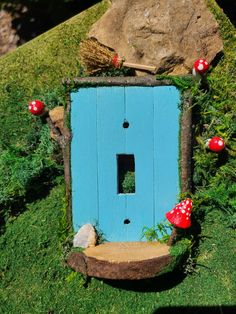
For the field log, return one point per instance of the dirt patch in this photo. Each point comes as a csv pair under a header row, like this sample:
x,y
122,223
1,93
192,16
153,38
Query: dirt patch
x,y
20,23
8,36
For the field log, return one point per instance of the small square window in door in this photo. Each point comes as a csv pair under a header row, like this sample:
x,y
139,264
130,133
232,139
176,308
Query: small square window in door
x,y
125,174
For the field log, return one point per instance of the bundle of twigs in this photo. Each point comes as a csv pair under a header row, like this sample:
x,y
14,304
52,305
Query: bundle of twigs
x,y
97,57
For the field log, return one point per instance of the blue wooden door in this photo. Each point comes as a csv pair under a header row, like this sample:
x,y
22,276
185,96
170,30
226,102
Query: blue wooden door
x,y
100,139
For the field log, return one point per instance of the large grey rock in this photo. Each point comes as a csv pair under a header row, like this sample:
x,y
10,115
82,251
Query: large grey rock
x,y
85,237
167,33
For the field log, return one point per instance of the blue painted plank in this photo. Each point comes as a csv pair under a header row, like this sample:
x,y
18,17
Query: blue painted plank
x,y
139,141
111,141
84,157
166,149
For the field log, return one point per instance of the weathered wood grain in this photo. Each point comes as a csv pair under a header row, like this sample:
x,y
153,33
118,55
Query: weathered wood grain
x,y
127,260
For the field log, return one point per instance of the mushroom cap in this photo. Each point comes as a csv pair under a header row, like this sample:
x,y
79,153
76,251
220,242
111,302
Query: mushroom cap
x,y
36,107
115,61
200,66
180,215
216,144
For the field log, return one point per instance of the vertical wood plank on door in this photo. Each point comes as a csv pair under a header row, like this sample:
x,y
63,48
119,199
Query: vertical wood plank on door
x,y
139,141
166,149
111,141
84,157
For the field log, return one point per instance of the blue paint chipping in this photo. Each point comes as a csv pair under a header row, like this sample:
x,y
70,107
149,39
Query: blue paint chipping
x,y
99,136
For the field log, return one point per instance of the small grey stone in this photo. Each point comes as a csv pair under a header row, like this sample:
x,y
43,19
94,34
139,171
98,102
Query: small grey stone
x,y
85,237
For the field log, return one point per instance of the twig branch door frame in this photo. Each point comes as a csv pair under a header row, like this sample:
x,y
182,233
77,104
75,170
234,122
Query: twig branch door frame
x,y
185,136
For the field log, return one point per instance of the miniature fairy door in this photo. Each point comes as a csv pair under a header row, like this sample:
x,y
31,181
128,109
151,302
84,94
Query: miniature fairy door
x,y
118,129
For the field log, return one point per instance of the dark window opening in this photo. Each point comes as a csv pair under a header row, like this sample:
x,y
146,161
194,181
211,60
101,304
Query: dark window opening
x,y
126,221
126,174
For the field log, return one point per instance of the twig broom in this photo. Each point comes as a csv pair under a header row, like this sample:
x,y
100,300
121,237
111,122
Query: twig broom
x,y
97,57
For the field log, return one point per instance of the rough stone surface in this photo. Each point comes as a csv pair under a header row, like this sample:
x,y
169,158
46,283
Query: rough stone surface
x,y
57,117
85,237
8,36
166,33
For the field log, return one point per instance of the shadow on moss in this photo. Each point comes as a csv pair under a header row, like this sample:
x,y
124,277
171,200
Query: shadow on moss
x,y
32,18
36,189
160,283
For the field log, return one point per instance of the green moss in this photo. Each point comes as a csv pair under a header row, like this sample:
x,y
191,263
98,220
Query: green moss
x,y
179,253
180,248
214,176
32,240
32,266
36,69
182,83
128,183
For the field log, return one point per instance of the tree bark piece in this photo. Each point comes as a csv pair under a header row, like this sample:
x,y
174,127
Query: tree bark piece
x,y
122,260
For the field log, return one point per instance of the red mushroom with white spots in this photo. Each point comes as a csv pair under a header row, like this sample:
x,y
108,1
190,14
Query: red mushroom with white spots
x,y
200,67
180,215
215,144
36,107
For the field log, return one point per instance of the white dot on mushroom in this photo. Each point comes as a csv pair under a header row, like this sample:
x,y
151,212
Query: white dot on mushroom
x,y
200,67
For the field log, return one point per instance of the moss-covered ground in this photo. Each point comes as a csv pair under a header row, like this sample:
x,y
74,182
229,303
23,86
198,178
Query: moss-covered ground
x,y
33,241
34,278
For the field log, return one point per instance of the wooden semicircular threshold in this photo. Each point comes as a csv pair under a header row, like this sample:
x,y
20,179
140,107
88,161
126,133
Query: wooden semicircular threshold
x,y
121,260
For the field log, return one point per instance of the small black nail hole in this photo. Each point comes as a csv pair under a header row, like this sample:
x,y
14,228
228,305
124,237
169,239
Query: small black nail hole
x,y
126,221
126,125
